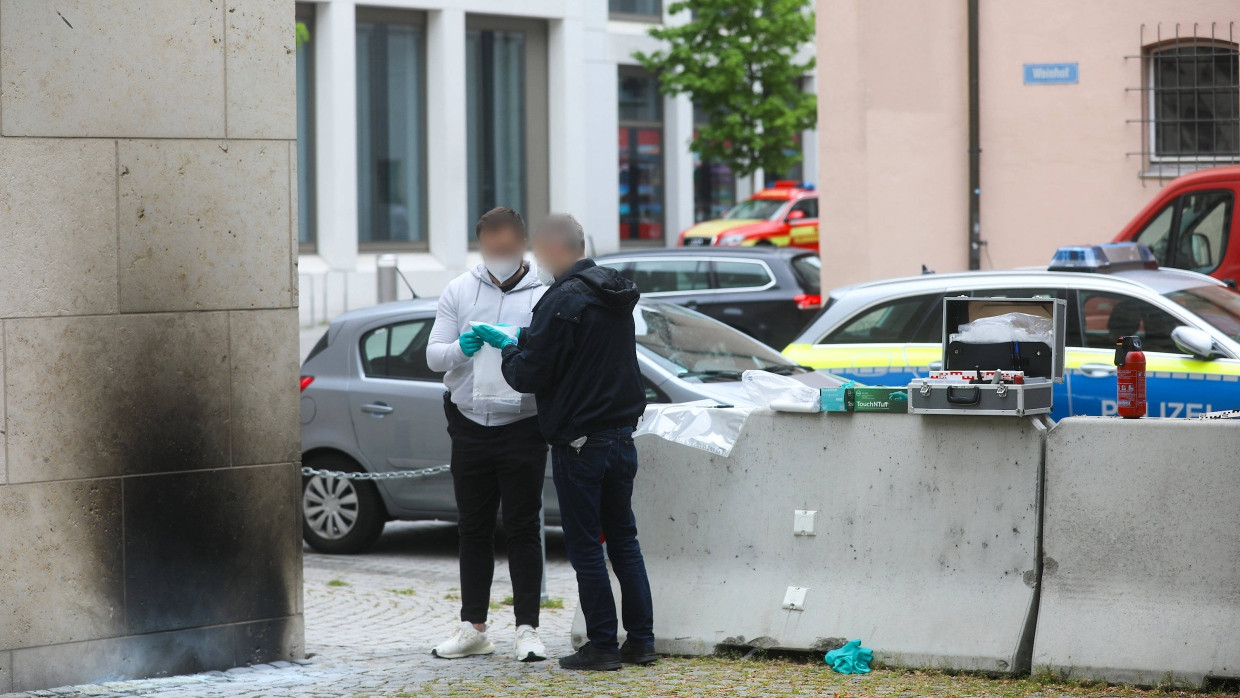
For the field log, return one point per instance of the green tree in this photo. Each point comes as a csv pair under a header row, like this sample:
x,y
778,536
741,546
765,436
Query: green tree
x,y
737,61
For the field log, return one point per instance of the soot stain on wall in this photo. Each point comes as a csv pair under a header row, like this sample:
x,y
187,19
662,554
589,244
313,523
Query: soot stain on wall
x,y
205,545
211,547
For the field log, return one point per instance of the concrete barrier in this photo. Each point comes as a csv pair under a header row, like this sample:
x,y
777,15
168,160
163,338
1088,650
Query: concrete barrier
x,y
924,541
1142,550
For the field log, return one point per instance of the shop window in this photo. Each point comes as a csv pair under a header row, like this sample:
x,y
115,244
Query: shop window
x,y
641,157
714,185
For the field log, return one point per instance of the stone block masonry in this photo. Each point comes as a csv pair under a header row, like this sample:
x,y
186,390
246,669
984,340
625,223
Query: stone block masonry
x,y
149,435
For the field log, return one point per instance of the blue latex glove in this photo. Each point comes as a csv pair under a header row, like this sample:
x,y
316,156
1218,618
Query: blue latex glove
x,y
470,343
494,337
852,658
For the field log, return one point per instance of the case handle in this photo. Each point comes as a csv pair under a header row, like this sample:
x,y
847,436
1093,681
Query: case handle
x,y
966,396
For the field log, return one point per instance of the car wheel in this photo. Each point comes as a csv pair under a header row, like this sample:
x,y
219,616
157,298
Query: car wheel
x,y
338,515
764,243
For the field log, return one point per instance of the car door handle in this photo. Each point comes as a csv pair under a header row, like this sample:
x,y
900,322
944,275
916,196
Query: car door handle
x,y
377,409
1098,370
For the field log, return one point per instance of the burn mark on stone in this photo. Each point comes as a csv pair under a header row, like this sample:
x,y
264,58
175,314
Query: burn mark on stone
x,y
209,547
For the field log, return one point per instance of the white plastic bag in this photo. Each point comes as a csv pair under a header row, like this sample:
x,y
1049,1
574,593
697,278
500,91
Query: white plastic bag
x,y
491,392
782,393
702,424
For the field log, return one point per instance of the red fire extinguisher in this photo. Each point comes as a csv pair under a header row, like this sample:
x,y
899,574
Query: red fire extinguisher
x,y
1130,377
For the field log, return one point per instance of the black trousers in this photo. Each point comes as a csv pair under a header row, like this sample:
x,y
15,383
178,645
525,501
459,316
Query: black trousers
x,y
493,466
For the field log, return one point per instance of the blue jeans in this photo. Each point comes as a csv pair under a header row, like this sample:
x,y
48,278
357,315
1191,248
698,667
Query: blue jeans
x,y
595,488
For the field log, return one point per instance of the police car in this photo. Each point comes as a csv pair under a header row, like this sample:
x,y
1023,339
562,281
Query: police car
x,y
890,332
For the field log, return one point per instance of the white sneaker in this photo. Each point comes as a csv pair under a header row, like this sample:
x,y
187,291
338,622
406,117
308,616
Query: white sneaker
x,y
465,642
529,647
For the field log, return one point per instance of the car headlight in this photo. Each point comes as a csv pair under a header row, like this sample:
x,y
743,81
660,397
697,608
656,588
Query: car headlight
x,y
731,239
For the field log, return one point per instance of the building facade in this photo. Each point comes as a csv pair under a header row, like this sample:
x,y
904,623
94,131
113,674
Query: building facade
x,y
1085,109
149,434
415,116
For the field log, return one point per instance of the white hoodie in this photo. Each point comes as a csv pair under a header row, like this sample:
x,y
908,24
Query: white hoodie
x,y
473,297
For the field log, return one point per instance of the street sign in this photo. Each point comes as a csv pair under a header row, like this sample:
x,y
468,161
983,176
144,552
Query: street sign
x,y
1051,74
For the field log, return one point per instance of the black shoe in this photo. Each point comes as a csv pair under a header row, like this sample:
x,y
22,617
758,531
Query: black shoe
x,y
633,653
590,659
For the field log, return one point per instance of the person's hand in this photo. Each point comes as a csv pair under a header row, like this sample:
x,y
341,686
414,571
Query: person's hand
x,y
492,336
470,343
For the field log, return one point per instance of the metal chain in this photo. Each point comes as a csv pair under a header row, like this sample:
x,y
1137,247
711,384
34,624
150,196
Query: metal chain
x,y
1224,414
340,474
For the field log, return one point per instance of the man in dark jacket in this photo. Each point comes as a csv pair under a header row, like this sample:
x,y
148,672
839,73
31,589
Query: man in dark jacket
x,y
579,359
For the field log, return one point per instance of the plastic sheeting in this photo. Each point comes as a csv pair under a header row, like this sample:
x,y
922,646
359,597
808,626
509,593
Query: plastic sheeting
x,y
703,424
1008,327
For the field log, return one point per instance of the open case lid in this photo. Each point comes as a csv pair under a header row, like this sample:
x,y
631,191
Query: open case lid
x,y
961,356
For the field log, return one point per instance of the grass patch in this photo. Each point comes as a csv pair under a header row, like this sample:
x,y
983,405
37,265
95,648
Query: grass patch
x,y
337,583
761,675
404,592
553,603
451,597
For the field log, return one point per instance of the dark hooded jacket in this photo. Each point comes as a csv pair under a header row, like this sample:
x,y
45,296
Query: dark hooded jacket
x,y
579,356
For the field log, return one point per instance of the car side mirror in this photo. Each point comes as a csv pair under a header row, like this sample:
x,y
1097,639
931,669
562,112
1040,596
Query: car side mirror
x,y
1194,342
1203,258
795,215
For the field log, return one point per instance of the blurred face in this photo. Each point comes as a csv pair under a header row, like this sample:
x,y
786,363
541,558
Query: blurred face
x,y
553,255
503,248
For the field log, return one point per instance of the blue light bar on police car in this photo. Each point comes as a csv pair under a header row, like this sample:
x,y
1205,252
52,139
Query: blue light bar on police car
x,y
1111,256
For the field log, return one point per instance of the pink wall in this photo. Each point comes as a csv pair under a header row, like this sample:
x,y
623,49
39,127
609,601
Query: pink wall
x,y
1056,168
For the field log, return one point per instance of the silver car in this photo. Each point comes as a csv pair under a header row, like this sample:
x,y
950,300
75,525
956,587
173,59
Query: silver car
x,y
370,404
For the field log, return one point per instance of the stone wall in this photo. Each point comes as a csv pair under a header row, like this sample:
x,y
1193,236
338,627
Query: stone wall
x,y
149,519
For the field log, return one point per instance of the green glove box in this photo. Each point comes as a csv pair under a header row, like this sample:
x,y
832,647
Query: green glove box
x,y
892,399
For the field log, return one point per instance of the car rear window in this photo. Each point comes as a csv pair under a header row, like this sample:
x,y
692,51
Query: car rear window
x,y
738,274
398,351
319,346
808,268
667,275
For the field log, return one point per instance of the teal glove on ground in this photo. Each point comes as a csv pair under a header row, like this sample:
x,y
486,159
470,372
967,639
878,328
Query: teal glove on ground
x,y
494,337
470,343
852,658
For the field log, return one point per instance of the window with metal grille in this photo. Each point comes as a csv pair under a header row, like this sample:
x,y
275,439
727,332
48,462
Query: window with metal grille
x,y
1190,111
1195,102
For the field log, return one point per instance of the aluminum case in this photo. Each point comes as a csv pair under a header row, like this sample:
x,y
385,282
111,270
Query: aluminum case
x,y
1042,364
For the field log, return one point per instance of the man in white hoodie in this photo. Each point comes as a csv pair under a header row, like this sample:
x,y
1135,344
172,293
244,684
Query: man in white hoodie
x,y
497,456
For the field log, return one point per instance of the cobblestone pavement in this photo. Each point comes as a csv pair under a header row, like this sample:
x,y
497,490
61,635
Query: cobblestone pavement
x,y
371,621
